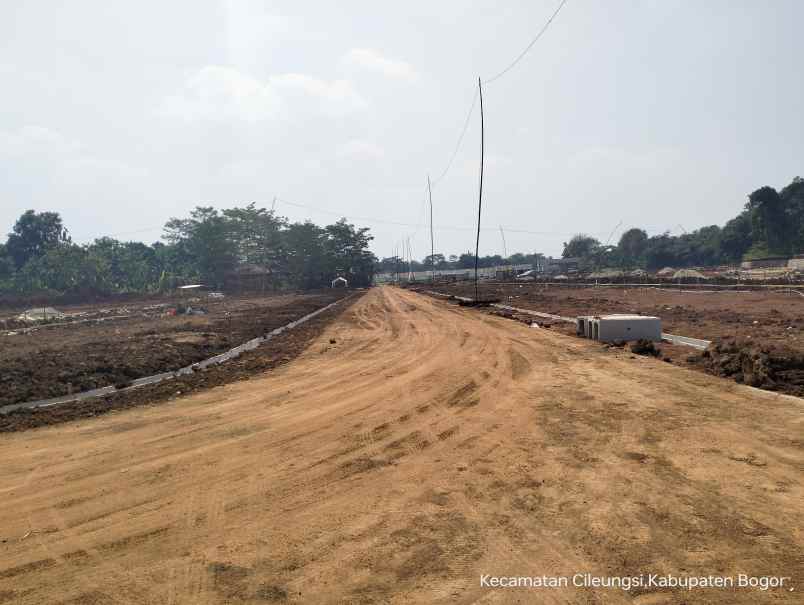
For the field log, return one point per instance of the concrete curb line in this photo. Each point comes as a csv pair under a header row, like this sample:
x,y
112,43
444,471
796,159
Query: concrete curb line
x,y
156,378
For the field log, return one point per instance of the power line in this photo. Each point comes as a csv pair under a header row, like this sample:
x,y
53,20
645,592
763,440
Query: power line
x,y
490,80
529,46
460,140
368,220
418,225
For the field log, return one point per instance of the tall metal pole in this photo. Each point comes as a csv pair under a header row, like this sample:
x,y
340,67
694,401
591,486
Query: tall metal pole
x,y
432,245
480,196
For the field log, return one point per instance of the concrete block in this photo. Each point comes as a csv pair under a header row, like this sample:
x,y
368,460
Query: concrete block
x,y
625,328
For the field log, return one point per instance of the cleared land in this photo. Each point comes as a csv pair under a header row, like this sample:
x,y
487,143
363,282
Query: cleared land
x,y
99,346
760,333
411,448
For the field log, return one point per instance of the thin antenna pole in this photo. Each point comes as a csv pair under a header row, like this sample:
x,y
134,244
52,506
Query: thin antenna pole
x,y
480,195
432,244
505,248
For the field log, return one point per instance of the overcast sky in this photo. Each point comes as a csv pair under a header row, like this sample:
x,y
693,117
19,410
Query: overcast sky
x,y
661,114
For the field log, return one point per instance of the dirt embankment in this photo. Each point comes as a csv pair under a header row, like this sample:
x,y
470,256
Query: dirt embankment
x,y
758,336
60,360
755,364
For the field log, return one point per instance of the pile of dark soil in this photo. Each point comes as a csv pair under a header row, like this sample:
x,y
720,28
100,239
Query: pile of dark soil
x,y
645,347
759,365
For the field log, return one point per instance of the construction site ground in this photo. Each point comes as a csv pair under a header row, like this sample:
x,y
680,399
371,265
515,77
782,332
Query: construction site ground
x,y
411,448
97,346
753,328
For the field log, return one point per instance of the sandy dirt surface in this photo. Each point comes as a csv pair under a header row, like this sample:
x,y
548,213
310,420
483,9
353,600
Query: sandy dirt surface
x,y
776,317
759,334
411,448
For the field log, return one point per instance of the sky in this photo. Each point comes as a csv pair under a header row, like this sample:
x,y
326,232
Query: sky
x,y
659,114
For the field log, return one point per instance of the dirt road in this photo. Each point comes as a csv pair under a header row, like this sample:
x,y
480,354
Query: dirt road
x,y
412,448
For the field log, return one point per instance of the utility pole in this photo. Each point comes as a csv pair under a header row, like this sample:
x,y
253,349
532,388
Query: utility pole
x,y
410,262
432,245
396,264
480,195
505,248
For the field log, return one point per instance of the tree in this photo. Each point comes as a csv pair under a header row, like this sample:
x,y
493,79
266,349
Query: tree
x,y
208,239
704,246
132,266
348,254
33,235
768,223
581,246
65,268
389,264
631,247
660,252
466,260
303,243
792,197
435,260
6,264
736,238
257,235
492,260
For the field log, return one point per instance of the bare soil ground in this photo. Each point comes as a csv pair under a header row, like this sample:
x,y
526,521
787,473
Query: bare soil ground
x,y
113,345
271,354
411,448
759,336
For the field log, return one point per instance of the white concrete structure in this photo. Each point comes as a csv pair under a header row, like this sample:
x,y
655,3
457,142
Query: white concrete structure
x,y
624,328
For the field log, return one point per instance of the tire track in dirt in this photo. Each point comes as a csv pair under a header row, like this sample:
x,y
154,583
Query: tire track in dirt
x,y
411,447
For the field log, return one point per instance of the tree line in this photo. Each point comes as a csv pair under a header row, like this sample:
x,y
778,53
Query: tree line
x,y
214,247
253,245
770,224
393,264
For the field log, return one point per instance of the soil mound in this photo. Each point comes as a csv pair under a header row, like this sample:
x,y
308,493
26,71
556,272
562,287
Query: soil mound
x,y
758,365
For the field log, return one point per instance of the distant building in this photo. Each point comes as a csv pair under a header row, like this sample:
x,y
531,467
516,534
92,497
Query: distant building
x,y
797,262
562,265
453,274
768,262
510,271
249,277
